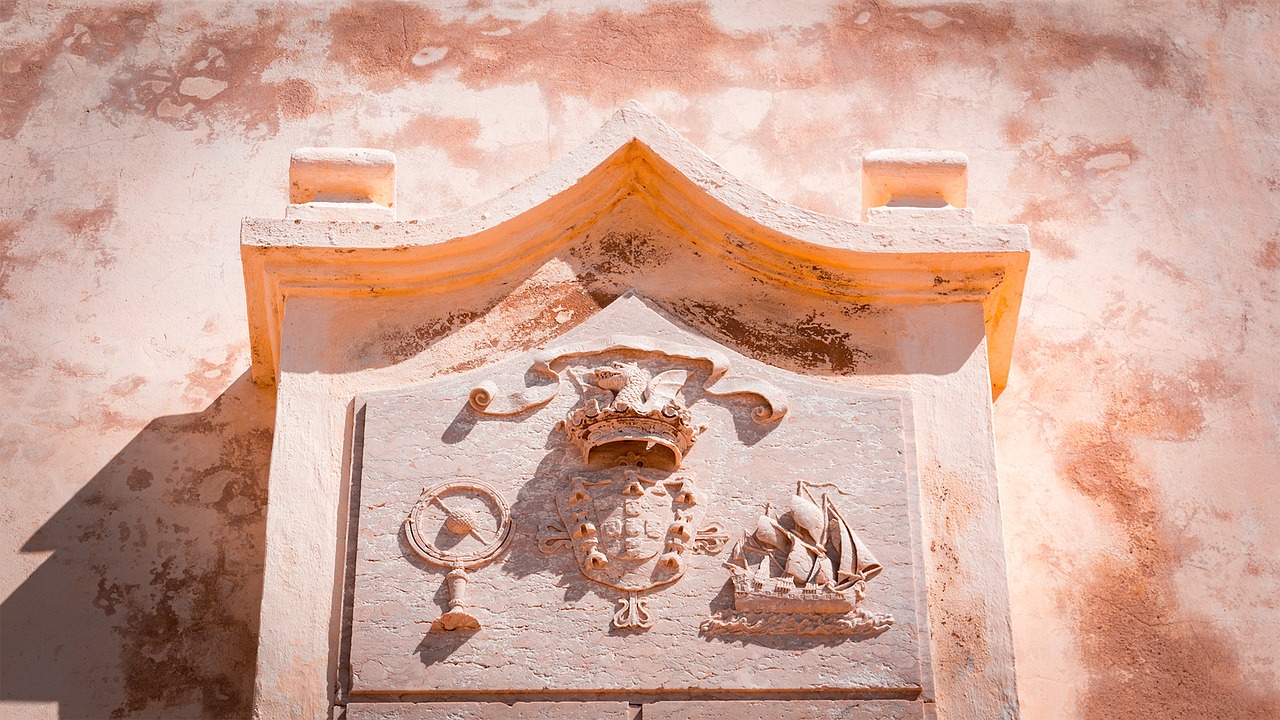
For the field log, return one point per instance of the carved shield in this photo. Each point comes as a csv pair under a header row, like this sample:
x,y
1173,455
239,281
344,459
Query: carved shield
x,y
631,527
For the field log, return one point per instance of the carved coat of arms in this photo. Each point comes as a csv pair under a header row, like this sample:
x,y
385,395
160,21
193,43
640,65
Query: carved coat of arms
x,y
631,521
629,514
630,529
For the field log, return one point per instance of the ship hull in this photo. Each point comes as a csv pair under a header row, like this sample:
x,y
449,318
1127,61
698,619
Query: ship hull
x,y
789,600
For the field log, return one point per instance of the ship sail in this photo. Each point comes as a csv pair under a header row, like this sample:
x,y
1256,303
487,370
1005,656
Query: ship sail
x,y
856,561
768,532
807,515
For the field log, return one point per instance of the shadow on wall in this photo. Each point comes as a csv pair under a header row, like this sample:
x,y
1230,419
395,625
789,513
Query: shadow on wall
x,y
148,606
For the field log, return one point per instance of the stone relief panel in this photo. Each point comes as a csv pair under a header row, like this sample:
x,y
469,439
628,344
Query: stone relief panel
x,y
634,512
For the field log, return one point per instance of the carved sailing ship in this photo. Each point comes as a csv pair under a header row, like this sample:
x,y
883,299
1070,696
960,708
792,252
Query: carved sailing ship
x,y
804,579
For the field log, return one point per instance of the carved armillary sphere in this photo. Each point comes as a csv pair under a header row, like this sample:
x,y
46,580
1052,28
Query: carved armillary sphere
x,y
459,523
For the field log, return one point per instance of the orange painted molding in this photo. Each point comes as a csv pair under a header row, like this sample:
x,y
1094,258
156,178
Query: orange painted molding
x,y
918,246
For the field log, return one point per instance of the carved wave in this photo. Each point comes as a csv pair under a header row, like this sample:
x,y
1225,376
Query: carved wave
x,y
858,623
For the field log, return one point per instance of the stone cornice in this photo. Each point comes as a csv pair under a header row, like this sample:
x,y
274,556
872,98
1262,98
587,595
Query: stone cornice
x,y
903,255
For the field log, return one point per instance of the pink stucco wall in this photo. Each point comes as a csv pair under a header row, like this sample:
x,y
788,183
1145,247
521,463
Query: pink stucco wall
x,y
1139,437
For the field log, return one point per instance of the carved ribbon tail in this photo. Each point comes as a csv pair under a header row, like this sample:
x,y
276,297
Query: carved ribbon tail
x,y
773,407
485,398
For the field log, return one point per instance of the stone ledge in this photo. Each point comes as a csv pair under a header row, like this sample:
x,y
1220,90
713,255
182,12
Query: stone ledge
x,y
914,178
488,711
784,710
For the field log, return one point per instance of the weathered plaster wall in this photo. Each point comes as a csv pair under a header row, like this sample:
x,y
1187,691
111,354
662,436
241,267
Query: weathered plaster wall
x,y
1138,436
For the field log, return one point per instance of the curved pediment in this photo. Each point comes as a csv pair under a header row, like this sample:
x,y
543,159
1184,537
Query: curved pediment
x,y
912,256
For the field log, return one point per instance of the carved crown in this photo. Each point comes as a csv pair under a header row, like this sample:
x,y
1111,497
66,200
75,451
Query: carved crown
x,y
670,426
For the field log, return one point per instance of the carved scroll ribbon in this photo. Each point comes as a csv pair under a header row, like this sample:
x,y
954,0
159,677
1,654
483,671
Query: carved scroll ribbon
x,y
486,397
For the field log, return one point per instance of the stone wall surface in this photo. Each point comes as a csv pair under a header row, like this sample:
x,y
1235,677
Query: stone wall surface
x,y
1137,438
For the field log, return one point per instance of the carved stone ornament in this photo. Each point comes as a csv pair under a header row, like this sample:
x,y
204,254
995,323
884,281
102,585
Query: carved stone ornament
x,y
459,524
644,408
802,575
485,397
630,529
628,520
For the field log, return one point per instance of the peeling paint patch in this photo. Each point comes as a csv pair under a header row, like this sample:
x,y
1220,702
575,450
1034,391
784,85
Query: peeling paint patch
x,y
126,386
158,662
218,77
429,56
456,136
931,19
619,252
296,98
110,595
1080,156
85,225
1142,649
1167,268
98,35
605,54
208,379
9,259
609,54
1055,170
1048,219
1269,257
140,479
900,43
810,343
78,222
1108,161
201,88
556,309
395,345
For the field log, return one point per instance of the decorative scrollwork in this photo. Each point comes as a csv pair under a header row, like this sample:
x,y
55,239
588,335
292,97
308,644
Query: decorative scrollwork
x,y
553,538
857,623
633,613
485,397
711,539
